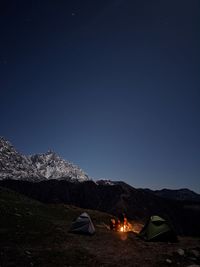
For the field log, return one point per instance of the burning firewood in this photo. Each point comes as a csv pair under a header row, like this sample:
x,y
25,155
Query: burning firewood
x,y
120,226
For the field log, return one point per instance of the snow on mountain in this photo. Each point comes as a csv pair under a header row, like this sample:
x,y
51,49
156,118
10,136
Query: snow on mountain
x,y
14,165
51,166
105,182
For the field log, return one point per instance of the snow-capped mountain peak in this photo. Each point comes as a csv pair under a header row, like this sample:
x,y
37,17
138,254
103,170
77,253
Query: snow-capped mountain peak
x,y
49,165
52,166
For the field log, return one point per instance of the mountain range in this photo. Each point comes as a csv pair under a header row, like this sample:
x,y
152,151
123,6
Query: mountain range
x,y
43,167
50,179
38,167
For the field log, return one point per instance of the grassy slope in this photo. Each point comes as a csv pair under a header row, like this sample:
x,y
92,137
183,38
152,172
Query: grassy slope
x,y
35,234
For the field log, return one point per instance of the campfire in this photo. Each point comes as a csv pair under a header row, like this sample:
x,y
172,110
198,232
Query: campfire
x,y
126,228
120,225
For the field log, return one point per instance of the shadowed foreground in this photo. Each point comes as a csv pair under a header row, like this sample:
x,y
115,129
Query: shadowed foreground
x,y
35,234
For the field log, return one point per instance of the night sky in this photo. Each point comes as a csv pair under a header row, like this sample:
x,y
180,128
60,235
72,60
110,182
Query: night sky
x,y
110,85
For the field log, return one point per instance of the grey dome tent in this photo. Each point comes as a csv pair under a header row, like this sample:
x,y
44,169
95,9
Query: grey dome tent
x,y
82,225
158,229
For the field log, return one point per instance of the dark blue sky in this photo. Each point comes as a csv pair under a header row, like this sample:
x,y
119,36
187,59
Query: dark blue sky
x,y
112,86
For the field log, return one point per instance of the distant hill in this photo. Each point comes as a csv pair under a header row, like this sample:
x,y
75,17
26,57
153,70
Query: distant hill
x,y
179,194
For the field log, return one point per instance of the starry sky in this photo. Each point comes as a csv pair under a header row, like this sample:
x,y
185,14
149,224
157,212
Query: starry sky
x,y
110,85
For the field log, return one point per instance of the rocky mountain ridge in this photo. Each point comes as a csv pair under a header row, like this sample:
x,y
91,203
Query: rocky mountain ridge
x,y
38,167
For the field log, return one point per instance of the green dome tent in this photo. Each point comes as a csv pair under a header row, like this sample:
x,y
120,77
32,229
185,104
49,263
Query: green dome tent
x,y
82,225
158,229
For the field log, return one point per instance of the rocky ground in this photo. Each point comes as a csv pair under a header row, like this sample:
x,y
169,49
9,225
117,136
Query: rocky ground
x,y
34,234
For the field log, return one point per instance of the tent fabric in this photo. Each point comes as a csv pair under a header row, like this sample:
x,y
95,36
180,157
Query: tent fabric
x,y
82,225
157,229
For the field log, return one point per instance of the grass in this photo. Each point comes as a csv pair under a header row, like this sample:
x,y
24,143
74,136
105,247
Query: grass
x,y
35,234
